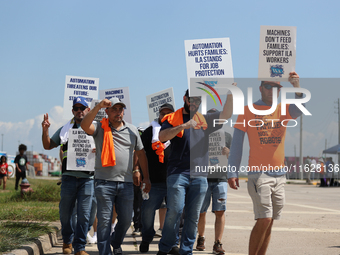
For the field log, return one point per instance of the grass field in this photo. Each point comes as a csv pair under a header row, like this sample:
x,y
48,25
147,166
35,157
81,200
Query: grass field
x,y
24,219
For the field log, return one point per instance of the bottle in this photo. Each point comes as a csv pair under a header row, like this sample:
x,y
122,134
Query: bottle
x,y
145,195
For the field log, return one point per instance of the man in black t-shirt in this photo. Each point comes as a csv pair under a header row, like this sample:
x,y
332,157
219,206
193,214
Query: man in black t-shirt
x,y
157,154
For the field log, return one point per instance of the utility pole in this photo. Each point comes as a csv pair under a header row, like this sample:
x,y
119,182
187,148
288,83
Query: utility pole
x,y
338,112
301,156
339,120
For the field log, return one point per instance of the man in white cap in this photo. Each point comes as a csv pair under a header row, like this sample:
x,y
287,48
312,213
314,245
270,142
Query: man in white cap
x,y
116,141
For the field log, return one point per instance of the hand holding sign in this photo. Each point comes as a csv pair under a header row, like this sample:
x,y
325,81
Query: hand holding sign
x,y
294,79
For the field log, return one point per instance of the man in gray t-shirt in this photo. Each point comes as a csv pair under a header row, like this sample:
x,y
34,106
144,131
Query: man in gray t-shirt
x,y
116,141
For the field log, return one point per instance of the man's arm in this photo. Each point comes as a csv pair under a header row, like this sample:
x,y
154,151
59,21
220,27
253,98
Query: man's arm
x,y
228,107
86,123
235,158
294,111
294,79
47,142
169,133
136,176
143,162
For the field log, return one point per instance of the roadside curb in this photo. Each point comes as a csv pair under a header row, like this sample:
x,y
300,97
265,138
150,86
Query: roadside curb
x,y
41,246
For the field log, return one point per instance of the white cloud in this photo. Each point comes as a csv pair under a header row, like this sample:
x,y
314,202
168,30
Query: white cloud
x,y
29,131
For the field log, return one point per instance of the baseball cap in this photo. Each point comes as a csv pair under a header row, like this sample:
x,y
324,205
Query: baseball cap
x,y
212,110
166,106
116,100
272,83
80,100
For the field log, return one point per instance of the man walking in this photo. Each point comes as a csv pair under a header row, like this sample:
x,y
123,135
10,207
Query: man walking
x,y
188,132
266,141
75,185
157,154
116,141
217,193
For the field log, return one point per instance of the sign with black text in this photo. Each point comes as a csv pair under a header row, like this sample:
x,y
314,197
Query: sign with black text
x,y
79,86
80,153
156,100
277,52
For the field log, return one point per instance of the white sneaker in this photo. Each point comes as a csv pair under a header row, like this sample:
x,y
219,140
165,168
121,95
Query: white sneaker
x,y
93,239
89,238
159,233
112,228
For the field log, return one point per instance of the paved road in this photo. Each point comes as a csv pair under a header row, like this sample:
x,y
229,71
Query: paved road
x,y
309,225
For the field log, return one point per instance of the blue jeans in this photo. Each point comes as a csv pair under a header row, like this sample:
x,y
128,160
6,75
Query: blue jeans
x,y
156,195
182,191
81,190
109,193
93,211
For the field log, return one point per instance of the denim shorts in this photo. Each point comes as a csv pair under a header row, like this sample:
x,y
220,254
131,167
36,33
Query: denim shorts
x,y
217,191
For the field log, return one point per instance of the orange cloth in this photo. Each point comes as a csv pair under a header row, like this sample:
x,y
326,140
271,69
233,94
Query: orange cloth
x,y
266,136
108,156
176,119
159,148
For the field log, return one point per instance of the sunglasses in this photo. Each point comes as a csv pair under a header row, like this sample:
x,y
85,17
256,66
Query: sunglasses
x,y
267,86
76,108
196,101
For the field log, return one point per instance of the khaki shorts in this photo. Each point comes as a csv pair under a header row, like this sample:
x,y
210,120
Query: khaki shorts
x,y
268,195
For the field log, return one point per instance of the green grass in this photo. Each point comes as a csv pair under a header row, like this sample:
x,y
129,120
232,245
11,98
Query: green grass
x,y
24,218
15,234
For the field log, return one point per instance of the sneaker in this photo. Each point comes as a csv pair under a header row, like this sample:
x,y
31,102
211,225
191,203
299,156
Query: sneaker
x,y
217,249
200,243
93,239
159,233
67,248
174,250
89,238
137,232
144,246
161,253
112,228
118,251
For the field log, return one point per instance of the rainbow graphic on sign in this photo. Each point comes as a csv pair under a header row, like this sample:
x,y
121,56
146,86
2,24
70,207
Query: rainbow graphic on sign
x,y
209,85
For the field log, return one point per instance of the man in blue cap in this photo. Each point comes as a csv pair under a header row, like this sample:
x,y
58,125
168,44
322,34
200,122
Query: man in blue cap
x,y
76,185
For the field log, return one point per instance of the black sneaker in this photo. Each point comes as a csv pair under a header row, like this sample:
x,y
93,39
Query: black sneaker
x,y
174,250
200,243
161,253
118,251
144,246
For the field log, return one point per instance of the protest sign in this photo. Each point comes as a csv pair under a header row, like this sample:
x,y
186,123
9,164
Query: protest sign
x,y
101,113
207,58
216,144
277,52
154,102
79,86
124,96
80,156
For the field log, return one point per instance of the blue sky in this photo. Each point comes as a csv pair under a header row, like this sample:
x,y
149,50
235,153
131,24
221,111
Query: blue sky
x,y
140,44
